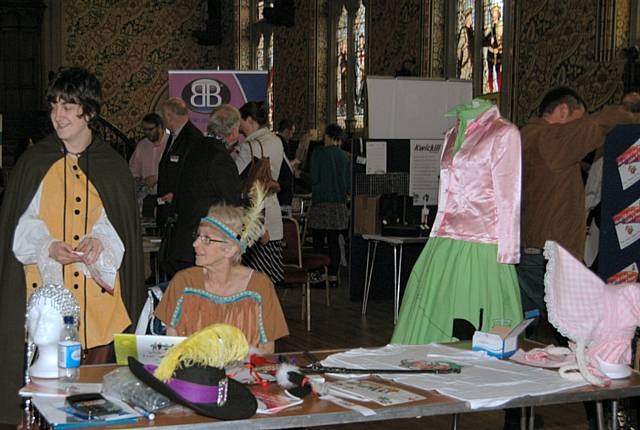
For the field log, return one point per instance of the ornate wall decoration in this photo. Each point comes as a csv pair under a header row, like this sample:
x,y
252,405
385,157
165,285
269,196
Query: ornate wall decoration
x,y
131,46
437,42
394,35
555,45
291,67
243,39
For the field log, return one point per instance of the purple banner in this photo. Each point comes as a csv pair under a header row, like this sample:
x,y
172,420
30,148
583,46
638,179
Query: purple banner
x,y
203,90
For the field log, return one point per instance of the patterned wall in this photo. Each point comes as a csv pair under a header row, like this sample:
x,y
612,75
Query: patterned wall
x,y
292,96
555,45
131,45
394,35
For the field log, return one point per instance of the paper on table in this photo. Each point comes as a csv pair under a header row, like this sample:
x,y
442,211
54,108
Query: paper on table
x,y
376,158
57,388
501,380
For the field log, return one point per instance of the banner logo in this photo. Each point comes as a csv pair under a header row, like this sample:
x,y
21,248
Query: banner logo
x,y
204,95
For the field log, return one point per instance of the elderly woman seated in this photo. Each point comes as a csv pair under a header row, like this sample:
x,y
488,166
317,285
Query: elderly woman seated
x,y
219,289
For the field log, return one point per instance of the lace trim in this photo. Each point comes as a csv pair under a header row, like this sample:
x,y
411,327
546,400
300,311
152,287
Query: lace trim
x,y
551,254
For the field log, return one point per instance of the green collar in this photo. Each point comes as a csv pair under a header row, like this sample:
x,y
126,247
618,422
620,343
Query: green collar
x,y
467,112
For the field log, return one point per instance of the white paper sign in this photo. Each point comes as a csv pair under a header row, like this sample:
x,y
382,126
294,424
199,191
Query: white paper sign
x,y
424,171
627,223
376,158
629,165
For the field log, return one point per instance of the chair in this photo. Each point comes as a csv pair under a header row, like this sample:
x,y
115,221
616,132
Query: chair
x,y
297,266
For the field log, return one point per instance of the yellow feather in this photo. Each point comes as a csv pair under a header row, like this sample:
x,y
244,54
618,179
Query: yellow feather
x,y
214,346
252,220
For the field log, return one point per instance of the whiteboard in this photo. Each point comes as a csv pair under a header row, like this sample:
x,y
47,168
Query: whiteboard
x,y
412,108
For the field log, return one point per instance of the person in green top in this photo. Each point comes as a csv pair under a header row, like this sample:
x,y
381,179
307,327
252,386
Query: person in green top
x,y
330,186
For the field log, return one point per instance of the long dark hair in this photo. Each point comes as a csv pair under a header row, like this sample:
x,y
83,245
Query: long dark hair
x,y
255,110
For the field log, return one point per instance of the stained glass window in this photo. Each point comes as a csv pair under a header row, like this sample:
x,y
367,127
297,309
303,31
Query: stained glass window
x,y
360,50
342,68
260,53
493,28
464,39
269,67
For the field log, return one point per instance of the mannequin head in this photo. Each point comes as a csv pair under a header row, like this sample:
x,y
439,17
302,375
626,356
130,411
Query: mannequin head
x,y
45,311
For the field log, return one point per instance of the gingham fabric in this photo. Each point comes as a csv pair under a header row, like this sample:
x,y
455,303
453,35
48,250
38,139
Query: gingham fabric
x,y
586,310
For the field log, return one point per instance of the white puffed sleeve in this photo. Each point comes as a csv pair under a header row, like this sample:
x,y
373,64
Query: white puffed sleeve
x,y
108,263
31,242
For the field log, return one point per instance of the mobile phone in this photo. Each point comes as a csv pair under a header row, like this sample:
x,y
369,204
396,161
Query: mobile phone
x,y
91,406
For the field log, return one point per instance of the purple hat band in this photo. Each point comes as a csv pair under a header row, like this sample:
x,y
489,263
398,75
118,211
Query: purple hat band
x,y
196,393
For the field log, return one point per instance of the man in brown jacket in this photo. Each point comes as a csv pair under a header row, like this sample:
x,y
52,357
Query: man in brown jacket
x,y
553,198
553,206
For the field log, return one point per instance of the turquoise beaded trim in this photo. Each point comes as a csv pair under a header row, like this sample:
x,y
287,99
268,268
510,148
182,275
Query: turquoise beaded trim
x,y
222,300
226,230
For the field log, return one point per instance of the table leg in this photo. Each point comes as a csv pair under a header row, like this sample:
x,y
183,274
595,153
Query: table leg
x,y
395,284
454,423
523,418
600,415
614,415
532,418
368,274
397,289
157,268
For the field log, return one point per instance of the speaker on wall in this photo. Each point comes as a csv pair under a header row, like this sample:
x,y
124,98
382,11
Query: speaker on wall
x,y
282,13
212,34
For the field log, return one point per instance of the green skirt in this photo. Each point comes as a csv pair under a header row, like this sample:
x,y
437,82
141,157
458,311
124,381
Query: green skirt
x,y
455,279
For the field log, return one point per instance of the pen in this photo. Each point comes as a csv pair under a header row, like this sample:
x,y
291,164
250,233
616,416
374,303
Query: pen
x,y
148,415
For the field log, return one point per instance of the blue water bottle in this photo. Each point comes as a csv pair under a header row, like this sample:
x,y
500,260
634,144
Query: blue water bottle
x,y
69,352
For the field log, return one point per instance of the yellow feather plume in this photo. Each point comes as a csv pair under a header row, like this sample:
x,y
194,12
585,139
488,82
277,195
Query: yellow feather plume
x,y
214,346
252,220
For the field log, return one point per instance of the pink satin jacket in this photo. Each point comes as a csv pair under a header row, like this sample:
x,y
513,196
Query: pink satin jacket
x,y
479,197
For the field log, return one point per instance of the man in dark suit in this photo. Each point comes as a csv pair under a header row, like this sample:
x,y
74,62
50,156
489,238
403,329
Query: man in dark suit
x,y
183,136
209,176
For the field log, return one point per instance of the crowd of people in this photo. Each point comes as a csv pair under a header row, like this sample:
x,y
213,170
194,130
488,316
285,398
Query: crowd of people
x,y
72,209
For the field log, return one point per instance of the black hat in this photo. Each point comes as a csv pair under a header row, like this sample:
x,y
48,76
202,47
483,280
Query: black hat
x,y
197,377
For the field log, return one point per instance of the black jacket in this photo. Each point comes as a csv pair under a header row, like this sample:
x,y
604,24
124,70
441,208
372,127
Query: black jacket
x,y
209,176
173,157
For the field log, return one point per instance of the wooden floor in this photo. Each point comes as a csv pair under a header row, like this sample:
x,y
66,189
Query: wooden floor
x,y
342,326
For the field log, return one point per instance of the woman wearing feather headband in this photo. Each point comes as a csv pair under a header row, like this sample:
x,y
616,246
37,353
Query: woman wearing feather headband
x,y
221,290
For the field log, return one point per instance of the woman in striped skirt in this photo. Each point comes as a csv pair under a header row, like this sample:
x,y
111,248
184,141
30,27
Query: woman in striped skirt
x,y
266,255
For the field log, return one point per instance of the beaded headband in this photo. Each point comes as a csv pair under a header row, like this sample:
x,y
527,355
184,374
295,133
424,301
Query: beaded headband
x,y
228,231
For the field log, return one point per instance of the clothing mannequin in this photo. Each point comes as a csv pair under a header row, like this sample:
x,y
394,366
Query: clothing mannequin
x,y
45,312
466,270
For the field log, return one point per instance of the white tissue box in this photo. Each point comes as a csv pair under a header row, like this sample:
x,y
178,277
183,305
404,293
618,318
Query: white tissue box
x,y
500,342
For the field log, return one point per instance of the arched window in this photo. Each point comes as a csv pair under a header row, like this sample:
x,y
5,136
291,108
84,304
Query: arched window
x,y
478,36
348,42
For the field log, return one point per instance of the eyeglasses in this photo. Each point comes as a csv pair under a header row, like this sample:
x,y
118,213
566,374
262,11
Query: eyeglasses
x,y
207,240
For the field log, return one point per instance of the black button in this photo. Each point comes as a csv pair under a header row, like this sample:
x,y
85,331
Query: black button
x,y
76,274
78,199
75,167
34,285
77,212
76,237
102,290
78,176
76,286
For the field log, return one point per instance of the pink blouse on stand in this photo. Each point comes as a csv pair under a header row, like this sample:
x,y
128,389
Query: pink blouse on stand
x,y
480,186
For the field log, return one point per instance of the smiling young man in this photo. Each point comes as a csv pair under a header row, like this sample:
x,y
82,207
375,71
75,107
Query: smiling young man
x,y
69,218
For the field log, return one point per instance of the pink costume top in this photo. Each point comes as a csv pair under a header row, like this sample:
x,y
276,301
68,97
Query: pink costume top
x,y
479,198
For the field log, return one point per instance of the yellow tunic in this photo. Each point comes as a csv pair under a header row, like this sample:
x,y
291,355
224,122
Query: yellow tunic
x,y
104,314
